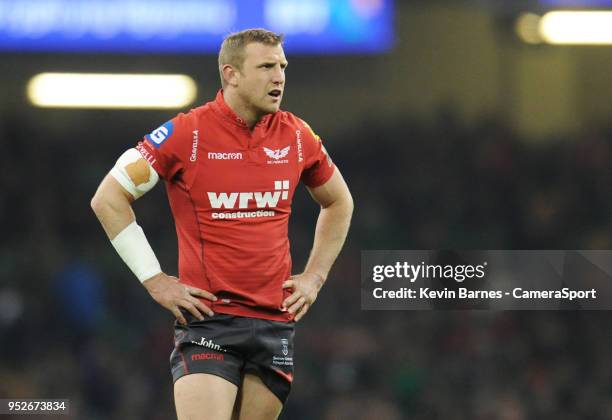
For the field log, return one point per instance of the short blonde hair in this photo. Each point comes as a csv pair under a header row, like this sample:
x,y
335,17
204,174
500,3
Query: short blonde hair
x,y
232,48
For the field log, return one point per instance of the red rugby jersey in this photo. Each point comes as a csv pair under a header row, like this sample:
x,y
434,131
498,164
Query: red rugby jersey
x,y
230,191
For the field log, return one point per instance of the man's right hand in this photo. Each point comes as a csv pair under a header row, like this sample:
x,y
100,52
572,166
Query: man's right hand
x,y
172,295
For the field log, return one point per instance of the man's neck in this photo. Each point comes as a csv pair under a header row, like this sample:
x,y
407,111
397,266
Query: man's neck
x,y
241,108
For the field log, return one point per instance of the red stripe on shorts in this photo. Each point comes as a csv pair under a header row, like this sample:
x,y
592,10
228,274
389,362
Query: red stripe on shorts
x,y
176,345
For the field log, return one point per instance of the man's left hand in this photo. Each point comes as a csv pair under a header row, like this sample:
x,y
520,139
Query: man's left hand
x,y
305,289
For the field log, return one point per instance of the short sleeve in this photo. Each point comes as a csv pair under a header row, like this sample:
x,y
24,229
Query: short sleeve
x,y
168,147
318,166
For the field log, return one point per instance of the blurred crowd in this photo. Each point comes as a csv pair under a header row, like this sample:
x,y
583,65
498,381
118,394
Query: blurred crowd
x,y
75,323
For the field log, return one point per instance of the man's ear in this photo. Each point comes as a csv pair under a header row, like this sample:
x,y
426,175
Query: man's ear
x,y
230,74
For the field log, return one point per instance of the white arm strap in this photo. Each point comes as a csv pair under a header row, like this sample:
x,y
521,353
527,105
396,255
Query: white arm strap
x,y
125,172
132,246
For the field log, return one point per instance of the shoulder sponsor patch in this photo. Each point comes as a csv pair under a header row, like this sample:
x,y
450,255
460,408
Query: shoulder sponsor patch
x,y
160,134
311,130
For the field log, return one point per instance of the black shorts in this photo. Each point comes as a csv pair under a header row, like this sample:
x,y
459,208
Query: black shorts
x,y
229,345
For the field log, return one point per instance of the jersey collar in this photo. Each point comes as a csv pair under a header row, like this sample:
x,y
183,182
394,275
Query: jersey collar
x,y
225,110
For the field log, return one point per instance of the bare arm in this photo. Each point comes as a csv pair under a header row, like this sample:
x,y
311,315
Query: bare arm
x,y
330,233
112,206
332,225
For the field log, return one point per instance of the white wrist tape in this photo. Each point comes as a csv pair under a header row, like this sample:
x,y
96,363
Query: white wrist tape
x,y
134,173
132,246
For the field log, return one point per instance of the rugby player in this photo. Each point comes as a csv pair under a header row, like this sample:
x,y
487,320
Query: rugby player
x,y
231,168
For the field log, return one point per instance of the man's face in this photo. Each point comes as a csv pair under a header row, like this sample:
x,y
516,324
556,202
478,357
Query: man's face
x,y
262,77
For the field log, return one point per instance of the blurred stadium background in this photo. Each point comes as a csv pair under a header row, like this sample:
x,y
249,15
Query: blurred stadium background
x,y
458,124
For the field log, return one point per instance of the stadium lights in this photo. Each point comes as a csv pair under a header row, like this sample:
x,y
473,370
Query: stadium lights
x,y
527,28
95,90
567,28
593,27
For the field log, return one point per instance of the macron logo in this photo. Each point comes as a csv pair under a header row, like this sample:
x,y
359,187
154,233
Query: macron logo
x,y
241,200
224,156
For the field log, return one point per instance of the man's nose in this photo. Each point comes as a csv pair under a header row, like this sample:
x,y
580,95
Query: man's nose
x,y
278,76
